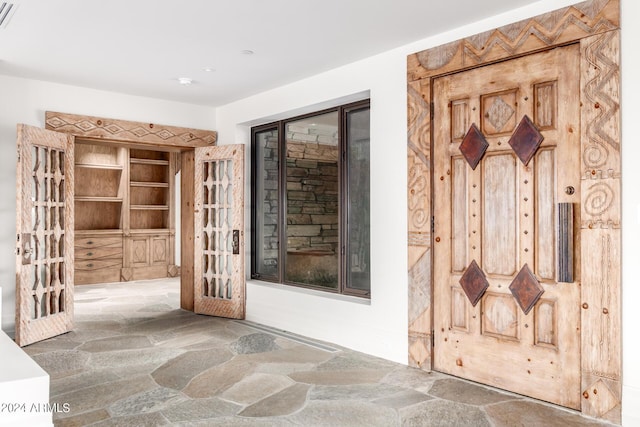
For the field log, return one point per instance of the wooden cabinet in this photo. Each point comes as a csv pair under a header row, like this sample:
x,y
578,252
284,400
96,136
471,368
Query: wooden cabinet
x,y
98,258
149,254
124,216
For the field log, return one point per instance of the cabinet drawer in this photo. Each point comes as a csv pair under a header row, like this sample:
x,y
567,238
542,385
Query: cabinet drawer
x,y
88,242
99,264
97,259
98,253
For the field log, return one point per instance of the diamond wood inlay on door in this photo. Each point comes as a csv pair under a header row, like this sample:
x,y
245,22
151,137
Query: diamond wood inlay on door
x,y
499,114
526,289
474,283
473,146
526,140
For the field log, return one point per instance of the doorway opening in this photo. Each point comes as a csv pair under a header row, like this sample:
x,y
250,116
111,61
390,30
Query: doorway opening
x,y
126,204
124,213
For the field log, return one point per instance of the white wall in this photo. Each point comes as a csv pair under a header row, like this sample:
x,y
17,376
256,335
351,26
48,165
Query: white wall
x,y
25,101
380,328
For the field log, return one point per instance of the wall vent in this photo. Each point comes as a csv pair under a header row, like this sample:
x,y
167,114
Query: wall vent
x,y
6,12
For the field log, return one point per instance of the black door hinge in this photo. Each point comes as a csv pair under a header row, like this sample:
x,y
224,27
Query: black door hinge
x,y
433,224
431,111
433,339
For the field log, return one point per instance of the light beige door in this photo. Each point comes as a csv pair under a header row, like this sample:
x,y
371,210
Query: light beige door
x,y
507,308
219,288
44,234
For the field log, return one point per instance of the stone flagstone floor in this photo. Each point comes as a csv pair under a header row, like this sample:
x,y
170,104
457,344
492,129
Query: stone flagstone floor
x,y
136,359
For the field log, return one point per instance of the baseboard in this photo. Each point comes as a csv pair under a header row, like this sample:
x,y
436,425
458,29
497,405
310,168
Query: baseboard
x,y
9,326
630,406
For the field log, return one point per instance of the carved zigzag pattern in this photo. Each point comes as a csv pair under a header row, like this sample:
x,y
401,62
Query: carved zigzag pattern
x,y
598,91
564,25
512,43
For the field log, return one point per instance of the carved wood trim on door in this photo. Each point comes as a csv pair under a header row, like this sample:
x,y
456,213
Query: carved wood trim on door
x,y
595,25
128,131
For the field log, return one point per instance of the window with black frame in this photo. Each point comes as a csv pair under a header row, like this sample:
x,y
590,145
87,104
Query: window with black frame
x,y
310,198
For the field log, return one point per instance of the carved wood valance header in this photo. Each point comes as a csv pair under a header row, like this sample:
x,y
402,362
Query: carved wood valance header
x,y
129,132
555,28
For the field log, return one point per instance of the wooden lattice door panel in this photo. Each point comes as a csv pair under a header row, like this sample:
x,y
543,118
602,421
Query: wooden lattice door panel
x,y
45,244
219,288
501,316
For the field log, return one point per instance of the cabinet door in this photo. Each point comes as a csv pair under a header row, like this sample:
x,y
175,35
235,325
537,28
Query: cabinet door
x,y
159,250
44,229
139,251
219,277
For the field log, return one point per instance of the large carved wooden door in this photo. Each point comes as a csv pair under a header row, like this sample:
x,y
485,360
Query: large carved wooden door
x,y
219,288
44,234
506,184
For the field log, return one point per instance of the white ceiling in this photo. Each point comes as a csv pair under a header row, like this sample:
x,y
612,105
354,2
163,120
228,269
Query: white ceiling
x,y
142,47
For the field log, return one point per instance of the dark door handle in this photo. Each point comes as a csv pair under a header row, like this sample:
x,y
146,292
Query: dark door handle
x,y
27,250
236,242
565,242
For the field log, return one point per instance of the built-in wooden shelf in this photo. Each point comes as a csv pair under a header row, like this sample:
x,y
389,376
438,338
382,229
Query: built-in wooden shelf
x,y
123,211
155,231
149,162
98,199
98,166
105,232
149,207
149,184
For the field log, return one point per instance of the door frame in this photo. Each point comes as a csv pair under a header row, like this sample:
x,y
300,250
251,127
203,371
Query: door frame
x,y
151,135
595,25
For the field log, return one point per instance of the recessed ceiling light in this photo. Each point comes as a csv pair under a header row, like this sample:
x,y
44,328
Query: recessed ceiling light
x,y
208,69
186,81
246,52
